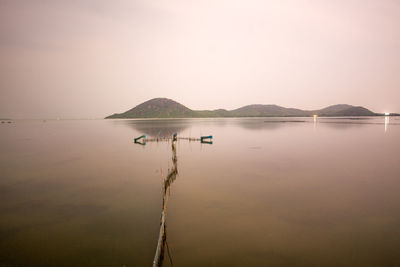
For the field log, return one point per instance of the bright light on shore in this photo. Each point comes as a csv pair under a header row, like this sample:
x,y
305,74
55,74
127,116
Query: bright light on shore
x,y
387,113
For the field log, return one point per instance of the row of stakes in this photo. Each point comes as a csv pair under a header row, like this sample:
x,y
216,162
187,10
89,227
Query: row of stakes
x,y
159,254
142,140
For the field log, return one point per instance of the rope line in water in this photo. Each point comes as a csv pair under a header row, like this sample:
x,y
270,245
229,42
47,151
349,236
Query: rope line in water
x,y
171,176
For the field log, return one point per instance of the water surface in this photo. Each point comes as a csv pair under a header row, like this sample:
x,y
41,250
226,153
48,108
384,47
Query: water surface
x,y
267,192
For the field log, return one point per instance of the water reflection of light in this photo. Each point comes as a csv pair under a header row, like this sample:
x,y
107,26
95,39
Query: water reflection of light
x,y
315,120
386,121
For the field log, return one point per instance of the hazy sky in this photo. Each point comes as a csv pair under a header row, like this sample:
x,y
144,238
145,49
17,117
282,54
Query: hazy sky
x,y
81,59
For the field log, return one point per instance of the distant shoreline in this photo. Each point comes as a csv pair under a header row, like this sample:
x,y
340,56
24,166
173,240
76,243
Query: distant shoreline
x,y
174,118
168,108
240,117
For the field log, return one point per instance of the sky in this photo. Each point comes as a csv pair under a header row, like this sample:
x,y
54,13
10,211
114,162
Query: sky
x,y
93,58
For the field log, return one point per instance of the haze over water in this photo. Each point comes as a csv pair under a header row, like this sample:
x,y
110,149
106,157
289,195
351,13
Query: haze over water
x,y
267,192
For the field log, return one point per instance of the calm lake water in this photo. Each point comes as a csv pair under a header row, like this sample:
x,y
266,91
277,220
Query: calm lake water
x,y
267,192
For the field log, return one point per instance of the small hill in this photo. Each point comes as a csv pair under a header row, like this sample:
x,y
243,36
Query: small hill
x,y
343,110
157,108
167,108
266,111
354,111
328,111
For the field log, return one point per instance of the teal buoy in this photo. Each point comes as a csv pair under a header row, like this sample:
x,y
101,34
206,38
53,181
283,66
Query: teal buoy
x,y
206,139
140,137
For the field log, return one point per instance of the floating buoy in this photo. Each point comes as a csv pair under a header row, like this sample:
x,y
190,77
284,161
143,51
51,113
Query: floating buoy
x,y
206,139
140,137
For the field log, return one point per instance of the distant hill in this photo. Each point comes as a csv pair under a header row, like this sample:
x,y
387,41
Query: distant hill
x,y
267,111
328,111
157,108
353,111
167,108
